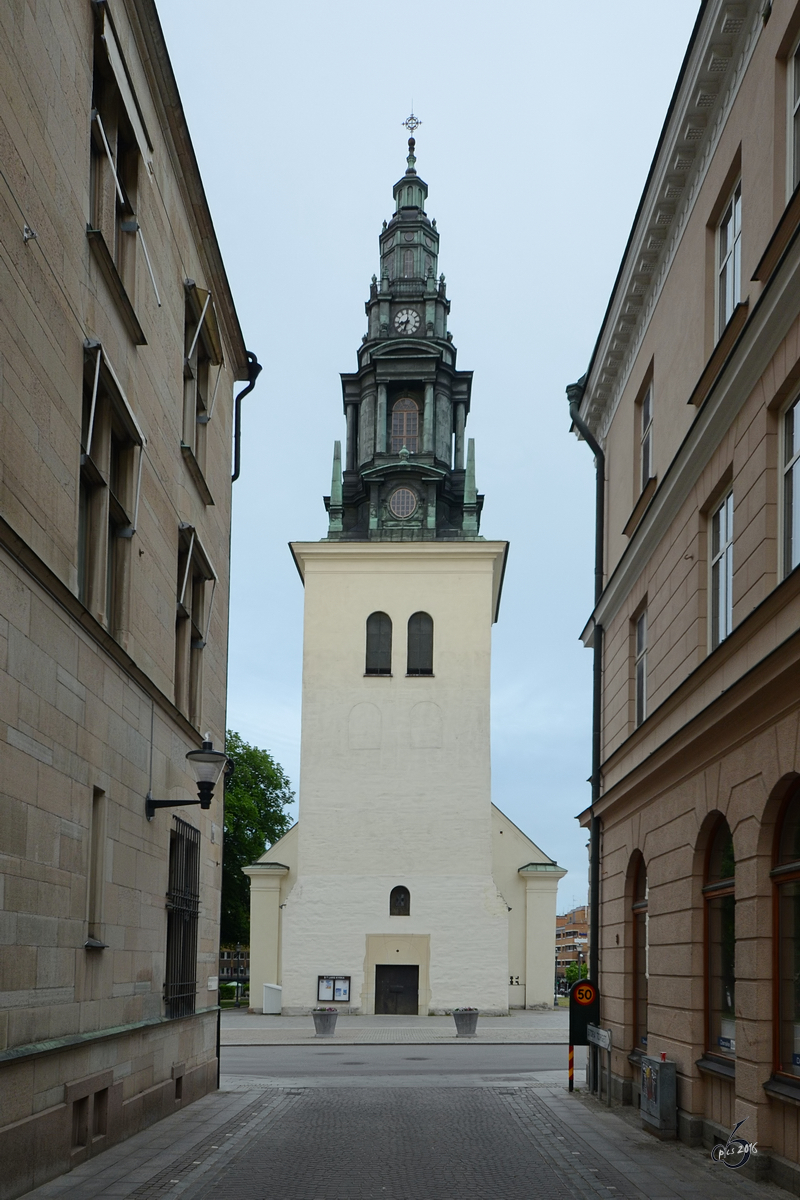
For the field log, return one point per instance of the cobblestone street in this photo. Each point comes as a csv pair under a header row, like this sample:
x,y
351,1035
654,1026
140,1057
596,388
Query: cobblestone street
x,y
418,1136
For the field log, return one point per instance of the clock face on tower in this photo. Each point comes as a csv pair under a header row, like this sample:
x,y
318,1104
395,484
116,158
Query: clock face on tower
x,y
406,321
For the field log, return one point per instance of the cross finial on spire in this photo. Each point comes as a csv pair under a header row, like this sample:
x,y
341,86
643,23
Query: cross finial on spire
x,y
412,123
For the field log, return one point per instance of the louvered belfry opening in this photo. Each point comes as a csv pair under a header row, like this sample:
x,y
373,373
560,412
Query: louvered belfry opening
x,y
183,910
420,644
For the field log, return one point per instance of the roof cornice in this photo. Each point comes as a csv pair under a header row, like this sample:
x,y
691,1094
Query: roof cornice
x,y
722,43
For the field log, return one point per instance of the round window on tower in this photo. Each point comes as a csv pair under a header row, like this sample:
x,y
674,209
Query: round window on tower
x,y
402,502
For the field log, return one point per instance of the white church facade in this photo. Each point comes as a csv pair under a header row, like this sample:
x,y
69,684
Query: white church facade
x,y
402,889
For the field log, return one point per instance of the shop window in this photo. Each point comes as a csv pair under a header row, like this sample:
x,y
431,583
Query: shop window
x,y
420,644
640,956
720,903
379,644
786,880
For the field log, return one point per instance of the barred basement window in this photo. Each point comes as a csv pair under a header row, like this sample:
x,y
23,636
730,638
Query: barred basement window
x,y
183,909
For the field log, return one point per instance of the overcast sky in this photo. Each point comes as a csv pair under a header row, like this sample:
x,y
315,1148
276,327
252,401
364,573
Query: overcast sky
x,y
539,123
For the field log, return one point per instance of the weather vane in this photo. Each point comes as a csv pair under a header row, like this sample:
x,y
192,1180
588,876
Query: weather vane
x,y
412,123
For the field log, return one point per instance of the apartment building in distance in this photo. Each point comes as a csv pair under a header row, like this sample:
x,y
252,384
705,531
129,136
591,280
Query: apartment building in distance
x,y
119,348
691,402
572,941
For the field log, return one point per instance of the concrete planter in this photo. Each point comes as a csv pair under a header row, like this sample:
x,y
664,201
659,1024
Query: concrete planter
x,y
325,1023
466,1020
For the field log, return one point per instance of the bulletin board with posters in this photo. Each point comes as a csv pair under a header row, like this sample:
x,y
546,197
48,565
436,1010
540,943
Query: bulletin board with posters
x,y
333,988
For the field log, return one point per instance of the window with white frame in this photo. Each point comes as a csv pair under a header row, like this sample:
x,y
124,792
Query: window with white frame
x,y
192,622
646,438
729,259
112,446
722,571
201,352
793,76
640,668
121,151
791,487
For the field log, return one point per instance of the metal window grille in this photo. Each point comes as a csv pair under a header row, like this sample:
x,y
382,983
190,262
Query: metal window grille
x,y
183,909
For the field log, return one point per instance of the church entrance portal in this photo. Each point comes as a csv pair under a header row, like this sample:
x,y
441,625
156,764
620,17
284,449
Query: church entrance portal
x,y
397,990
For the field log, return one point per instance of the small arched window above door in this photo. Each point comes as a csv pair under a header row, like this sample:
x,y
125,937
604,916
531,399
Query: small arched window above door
x,y
400,902
379,644
405,425
420,644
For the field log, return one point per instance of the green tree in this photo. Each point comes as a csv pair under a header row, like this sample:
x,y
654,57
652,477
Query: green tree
x,y
571,972
254,819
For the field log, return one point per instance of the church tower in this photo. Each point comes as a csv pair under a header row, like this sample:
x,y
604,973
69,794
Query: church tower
x,y
388,896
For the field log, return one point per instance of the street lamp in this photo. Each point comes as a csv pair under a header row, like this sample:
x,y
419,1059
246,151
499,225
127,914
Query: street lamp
x,y
208,765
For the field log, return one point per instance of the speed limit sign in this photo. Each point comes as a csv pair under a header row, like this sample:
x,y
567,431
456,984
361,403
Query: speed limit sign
x,y
584,1009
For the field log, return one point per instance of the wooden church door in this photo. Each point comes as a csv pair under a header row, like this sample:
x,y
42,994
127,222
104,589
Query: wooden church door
x,y
397,989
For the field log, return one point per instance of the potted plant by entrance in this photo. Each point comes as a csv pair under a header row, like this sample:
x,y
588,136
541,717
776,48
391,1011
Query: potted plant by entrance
x,y
324,1021
466,1020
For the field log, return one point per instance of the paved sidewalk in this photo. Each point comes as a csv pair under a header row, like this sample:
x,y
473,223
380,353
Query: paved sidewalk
x,y
256,1142
242,1028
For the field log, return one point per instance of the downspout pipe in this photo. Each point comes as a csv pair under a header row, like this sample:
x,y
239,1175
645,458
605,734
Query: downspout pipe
x,y
253,372
575,396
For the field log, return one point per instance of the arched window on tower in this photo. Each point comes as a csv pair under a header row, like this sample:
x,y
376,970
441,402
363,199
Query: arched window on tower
x,y
379,644
721,942
400,902
408,263
786,878
420,644
405,425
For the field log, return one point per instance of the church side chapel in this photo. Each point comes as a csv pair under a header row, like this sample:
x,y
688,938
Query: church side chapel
x,y
402,888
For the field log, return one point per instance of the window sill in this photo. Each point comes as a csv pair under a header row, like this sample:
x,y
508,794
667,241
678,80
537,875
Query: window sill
x,y
781,239
640,506
715,1066
783,1090
196,474
377,674
420,675
108,269
719,354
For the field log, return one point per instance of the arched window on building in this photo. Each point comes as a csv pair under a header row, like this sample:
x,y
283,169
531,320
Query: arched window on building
x,y
786,878
400,902
720,904
405,425
379,644
420,644
640,955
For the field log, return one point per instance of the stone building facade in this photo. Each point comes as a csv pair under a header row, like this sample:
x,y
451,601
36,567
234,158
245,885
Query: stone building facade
x,y
119,348
691,405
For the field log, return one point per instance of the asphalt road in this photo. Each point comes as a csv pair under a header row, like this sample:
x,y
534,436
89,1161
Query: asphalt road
x,y
320,1065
